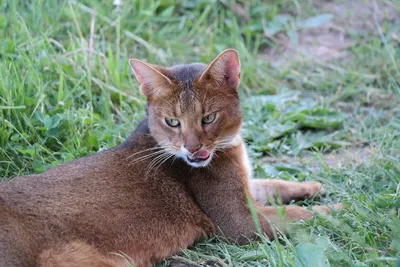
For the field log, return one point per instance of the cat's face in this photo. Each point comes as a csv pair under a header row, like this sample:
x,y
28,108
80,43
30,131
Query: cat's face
x,y
193,110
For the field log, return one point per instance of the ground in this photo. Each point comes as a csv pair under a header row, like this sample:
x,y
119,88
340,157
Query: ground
x,y
320,90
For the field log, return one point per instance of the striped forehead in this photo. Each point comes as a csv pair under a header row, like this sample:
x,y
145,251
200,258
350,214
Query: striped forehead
x,y
185,75
187,98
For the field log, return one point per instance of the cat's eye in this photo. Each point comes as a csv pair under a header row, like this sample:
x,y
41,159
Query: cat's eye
x,y
209,118
172,122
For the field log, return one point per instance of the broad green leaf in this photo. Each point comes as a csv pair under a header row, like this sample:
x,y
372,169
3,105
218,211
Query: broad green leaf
x,y
316,21
310,255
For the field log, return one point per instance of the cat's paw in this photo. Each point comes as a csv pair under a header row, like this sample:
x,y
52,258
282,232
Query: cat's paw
x,y
314,188
326,210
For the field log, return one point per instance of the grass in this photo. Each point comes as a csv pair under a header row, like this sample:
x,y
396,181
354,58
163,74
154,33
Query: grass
x,y
66,91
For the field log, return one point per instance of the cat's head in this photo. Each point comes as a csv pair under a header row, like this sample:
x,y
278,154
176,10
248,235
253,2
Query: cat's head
x,y
194,109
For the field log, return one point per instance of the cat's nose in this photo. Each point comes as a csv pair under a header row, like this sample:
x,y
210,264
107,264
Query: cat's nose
x,y
192,147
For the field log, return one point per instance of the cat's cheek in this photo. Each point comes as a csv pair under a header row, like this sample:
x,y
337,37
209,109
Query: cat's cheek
x,y
230,126
212,130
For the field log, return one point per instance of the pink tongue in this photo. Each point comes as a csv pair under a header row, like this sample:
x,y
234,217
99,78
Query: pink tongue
x,y
200,154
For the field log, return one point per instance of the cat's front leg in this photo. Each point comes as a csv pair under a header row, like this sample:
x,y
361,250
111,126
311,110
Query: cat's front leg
x,y
224,199
263,190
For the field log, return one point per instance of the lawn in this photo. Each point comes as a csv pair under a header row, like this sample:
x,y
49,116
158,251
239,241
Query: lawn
x,y
320,91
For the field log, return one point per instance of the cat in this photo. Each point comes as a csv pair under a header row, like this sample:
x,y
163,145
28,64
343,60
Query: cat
x,y
182,175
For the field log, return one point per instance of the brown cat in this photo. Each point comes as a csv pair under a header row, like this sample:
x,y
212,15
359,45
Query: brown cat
x,y
182,175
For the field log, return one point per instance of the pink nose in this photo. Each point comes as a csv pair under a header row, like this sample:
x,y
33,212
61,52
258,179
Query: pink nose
x,y
192,148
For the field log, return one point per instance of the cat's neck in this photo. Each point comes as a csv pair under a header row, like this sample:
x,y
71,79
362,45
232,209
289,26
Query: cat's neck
x,y
237,152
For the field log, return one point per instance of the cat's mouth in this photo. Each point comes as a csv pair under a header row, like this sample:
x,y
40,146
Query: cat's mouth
x,y
200,158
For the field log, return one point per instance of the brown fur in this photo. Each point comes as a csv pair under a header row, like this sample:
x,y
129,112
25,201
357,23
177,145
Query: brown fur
x,y
135,200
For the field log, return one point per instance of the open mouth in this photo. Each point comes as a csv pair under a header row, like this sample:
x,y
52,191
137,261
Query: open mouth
x,y
199,156
193,160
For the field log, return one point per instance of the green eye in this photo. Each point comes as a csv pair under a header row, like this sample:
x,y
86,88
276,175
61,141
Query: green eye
x,y
172,122
209,118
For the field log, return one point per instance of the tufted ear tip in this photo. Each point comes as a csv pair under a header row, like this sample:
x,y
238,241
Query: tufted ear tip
x,y
230,52
150,77
224,69
139,69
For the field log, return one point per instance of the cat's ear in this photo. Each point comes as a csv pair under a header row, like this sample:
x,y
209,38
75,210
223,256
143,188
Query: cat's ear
x,y
151,79
224,70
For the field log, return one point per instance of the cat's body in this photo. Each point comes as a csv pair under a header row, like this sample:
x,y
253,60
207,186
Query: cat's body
x,y
103,200
139,201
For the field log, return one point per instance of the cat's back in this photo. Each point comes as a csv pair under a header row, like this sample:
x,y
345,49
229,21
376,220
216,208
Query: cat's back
x,y
88,179
105,189
81,181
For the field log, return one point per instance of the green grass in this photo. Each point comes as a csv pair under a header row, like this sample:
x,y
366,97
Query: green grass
x,y
66,92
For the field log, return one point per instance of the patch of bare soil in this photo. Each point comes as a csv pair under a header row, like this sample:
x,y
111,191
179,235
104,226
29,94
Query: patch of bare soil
x,y
328,42
343,157
331,40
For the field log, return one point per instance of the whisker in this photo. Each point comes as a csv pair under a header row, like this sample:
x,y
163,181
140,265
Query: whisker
x,y
162,162
145,150
158,147
147,156
155,161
